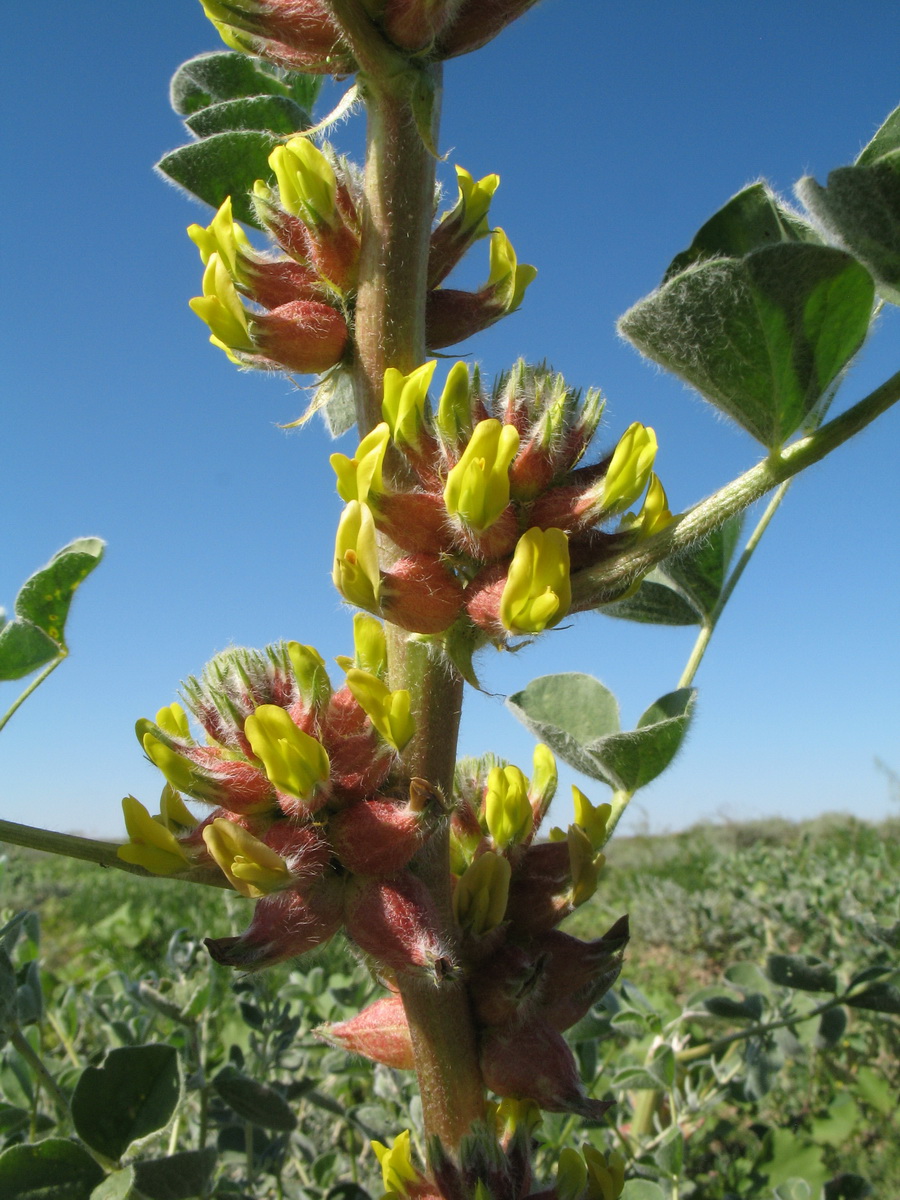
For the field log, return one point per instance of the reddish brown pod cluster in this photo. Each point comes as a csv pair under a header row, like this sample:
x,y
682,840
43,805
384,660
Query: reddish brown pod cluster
x,y
310,815
527,981
501,511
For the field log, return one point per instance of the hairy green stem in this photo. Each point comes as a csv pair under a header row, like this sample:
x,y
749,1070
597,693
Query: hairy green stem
x,y
35,683
722,1043
103,853
607,581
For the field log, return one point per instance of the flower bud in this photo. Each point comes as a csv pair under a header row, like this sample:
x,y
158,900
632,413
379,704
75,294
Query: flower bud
x,y
532,1061
480,896
544,778
220,307
379,1032
507,809
285,925
477,488
629,469
369,645
538,591
454,414
655,514
296,763
405,403
311,675
388,711
414,24
172,719
201,773
453,316
252,867
462,225
307,185
395,921
305,336
356,573
584,864
299,35
152,845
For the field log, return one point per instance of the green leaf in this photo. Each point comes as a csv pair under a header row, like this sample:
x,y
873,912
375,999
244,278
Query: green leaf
x,y
847,1187
749,1009
843,1117
217,76
804,972
860,206
133,1094
655,602
642,1189
750,220
880,997
253,1101
832,1027
885,141
55,1169
277,114
37,635
226,164
700,572
29,994
8,996
181,1176
116,1186
662,1065
669,1156
24,648
875,1091
636,1079
762,338
578,718
786,1158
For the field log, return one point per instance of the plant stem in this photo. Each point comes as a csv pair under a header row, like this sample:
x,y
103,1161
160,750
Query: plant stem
x,y
397,215
34,1060
35,683
603,583
694,1052
103,853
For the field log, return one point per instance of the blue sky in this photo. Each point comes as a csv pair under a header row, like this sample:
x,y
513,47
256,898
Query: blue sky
x,y
616,130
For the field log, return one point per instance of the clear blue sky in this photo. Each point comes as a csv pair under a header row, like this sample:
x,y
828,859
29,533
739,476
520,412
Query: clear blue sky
x,y
616,130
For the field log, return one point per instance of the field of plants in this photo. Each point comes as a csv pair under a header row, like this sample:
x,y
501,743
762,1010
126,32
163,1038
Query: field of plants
x,y
777,1080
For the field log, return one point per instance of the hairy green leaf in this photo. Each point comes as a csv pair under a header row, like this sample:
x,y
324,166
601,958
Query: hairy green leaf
x,y
750,220
885,141
277,114
642,1189
225,164
24,648
880,997
762,338
54,1169
655,602
860,206
132,1094
45,598
217,76
116,1186
700,572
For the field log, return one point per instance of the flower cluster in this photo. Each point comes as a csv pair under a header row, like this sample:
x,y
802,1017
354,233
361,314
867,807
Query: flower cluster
x,y
302,35
527,980
304,295
309,816
501,512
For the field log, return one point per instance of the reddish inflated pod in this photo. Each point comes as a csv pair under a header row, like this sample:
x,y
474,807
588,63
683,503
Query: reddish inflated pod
x,y
378,836
502,983
478,22
302,847
531,471
343,717
569,508
532,1061
274,282
380,1032
414,24
483,601
304,336
396,922
285,925
416,521
420,595
241,787
576,974
359,767
539,889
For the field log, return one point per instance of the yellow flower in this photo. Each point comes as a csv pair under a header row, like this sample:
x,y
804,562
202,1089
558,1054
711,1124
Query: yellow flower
x,y
506,276
507,808
403,406
482,892
307,185
360,477
152,846
388,711
591,817
477,488
356,573
538,590
396,1164
252,867
294,762
630,468
220,307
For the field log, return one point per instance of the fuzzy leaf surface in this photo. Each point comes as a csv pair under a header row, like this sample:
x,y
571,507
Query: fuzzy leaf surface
x,y
217,76
24,648
54,1169
802,972
45,598
860,206
633,758
750,220
655,602
763,337
277,114
225,164
180,1176
134,1093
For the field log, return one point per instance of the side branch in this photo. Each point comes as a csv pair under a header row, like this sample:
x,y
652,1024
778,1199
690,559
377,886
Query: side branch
x,y
606,582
